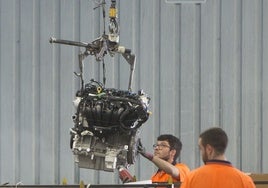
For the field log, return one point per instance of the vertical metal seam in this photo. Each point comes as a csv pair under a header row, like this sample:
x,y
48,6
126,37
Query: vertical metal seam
x,y
56,87
241,83
219,62
261,86
159,69
76,34
138,44
17,93
0,89
36,84
179,71
119,57
197,162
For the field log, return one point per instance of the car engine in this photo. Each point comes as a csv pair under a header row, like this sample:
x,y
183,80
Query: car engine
x,y
107,121
106,126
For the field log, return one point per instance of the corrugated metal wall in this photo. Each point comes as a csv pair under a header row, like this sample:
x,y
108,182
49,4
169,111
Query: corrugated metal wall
x,y
202,65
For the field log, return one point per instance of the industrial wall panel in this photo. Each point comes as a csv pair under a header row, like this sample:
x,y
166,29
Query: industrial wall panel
x,y
202,64
264,92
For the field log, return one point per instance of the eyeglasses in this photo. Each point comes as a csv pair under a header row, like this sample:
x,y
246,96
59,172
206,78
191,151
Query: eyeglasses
x,y
160,146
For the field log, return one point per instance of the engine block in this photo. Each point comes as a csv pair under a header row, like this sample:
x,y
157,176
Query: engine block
x,y
107,123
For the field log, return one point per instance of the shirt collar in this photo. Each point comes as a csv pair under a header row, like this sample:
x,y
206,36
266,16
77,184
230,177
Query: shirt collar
x,y
216,161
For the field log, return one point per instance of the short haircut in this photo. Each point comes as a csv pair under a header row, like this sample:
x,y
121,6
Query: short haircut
x,y
173,142
216,137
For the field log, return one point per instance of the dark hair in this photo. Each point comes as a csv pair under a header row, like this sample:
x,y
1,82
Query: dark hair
x,y
216,137
173,142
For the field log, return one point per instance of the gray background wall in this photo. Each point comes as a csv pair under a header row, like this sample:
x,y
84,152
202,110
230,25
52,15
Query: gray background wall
x,y
202,65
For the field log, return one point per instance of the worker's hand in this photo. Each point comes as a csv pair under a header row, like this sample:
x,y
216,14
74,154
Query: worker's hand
x,y
143,152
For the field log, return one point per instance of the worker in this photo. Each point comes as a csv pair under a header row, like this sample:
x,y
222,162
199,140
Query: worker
x,y
166,151
217,171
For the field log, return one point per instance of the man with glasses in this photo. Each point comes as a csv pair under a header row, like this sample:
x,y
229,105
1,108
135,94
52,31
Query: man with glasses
x,y
166,151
